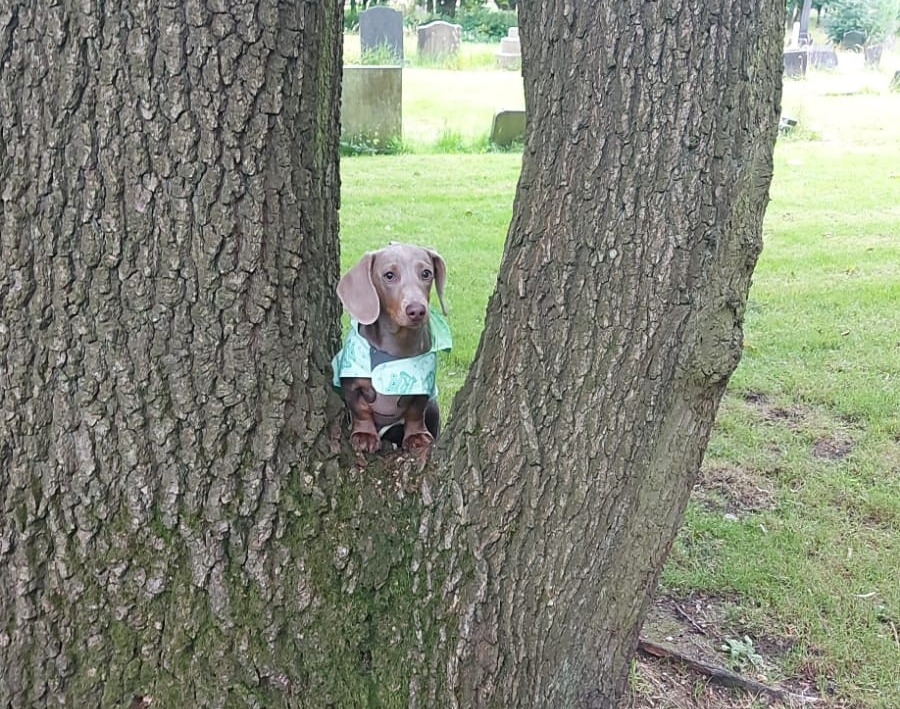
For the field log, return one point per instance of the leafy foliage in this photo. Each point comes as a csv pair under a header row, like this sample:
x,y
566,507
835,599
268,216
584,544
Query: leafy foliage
x,y
351,20
483,25
877,19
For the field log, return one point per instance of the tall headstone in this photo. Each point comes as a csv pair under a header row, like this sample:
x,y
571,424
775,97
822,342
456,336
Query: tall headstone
x,y
804,37
381,31
439,39
510,54
371,106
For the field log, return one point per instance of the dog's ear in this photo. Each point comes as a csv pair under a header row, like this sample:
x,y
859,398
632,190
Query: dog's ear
x,y
440,276
357,292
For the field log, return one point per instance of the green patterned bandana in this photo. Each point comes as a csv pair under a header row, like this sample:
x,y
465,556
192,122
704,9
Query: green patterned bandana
x,y
404,376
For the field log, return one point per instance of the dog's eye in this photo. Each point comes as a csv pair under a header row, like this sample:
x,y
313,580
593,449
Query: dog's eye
x,y
389,276
426,275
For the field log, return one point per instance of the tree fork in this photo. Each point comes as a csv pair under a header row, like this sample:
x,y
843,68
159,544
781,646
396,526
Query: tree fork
x,y
173,523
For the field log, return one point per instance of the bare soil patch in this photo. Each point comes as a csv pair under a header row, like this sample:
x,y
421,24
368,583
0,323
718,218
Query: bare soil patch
x,y
733,490
793,415
695,628
833,447
836,444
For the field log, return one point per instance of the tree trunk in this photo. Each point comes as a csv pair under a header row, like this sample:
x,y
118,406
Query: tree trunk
x,y
174,522
446,8
615,325
167,266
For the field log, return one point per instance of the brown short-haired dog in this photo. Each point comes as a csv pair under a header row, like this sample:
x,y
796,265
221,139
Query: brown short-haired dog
x,y
386,369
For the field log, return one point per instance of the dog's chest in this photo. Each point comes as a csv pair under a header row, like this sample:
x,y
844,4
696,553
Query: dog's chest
x,y
389,408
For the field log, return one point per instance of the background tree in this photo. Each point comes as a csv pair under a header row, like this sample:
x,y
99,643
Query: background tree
x,y
877,19
794,7
446,8
174,521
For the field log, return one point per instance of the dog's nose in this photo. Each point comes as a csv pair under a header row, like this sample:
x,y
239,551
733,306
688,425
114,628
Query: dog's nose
x,y
415,312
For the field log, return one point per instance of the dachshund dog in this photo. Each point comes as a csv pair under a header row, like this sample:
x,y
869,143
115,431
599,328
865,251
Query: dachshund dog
x,y
387,367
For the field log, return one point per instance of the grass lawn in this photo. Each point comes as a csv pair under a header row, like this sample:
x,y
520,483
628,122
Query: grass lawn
x,y
793,536
444,108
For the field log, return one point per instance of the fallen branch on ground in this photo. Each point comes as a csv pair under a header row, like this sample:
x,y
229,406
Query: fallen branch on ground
x,y
719,674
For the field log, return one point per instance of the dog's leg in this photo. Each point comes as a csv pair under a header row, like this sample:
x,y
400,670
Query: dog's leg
x,y
416,436
433,418
359,395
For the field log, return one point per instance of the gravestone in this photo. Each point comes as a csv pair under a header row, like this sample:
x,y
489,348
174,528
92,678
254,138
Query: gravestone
x,y
381,30
439,39
873,54
822,57
508,127
853,40
795,62
371,106
786,124
803,37
510,54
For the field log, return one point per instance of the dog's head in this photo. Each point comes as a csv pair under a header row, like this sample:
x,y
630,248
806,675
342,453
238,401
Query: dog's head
x,y
396,281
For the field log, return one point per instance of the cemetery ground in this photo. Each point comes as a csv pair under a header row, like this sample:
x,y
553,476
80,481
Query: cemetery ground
x,y
786,568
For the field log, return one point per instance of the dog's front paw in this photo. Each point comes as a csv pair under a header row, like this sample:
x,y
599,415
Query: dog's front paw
x,y
363,442
418,442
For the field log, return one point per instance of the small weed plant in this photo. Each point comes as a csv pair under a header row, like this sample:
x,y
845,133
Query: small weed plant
x,y
741,653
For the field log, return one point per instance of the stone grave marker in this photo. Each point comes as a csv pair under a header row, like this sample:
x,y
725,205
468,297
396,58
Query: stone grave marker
x,y
804,38
510,54
853,40
786,124
439,39
381,29
508,127
371,106
795,63
873,54
822,57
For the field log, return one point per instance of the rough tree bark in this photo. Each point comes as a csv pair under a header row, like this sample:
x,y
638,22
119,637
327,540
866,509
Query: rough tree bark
x,y
168,207
614,327
173,522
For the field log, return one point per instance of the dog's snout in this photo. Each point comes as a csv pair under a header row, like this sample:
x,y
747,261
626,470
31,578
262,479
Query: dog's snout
x,y
416,312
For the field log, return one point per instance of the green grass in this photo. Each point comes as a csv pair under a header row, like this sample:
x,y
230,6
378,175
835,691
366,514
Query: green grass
x,y
459,204
822,344
812,415
450,96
